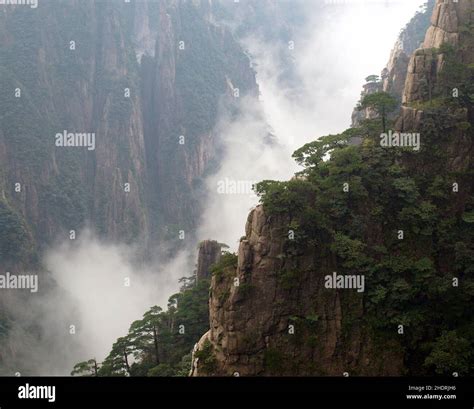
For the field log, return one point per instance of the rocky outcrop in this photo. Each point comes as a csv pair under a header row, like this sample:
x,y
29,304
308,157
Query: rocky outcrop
x,y
358,115
411,37
448,29
209,253
393,76
274,316
445,23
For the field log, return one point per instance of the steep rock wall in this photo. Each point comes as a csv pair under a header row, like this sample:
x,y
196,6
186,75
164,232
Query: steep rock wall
x,y
209,253
272,315
447,22
185,85
393,76
265,322
449,34
115,70
78,87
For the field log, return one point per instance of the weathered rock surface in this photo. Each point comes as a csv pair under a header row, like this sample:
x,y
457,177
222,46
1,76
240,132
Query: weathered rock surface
x,y
426,63
209,253
79,90
394,75
281,320
139,182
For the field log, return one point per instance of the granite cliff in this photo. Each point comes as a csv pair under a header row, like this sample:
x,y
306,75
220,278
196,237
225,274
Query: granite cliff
x,y
146,79
273,314
393,76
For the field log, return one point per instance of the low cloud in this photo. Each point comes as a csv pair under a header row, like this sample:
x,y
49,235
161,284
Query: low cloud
x,y
99,288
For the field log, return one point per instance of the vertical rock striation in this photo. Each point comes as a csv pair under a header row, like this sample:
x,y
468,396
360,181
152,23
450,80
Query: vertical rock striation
x,y
446,29
116,70
185,84
66,67
275,323
209,253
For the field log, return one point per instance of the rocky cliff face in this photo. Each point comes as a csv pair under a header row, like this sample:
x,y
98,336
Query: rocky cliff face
x,y
448,28
272,314
448,37
197,68
265,322
67,72
146,79
393,76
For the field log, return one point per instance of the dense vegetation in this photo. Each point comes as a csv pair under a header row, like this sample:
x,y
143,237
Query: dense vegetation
x,y
202,70
47,89
403,218
14,239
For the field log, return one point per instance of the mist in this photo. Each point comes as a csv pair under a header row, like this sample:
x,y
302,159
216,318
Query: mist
x,y
332,57
92,291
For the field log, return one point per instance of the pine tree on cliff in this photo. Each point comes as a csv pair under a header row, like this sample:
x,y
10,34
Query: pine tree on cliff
x,y
382,103
117,362
144,334
86,368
